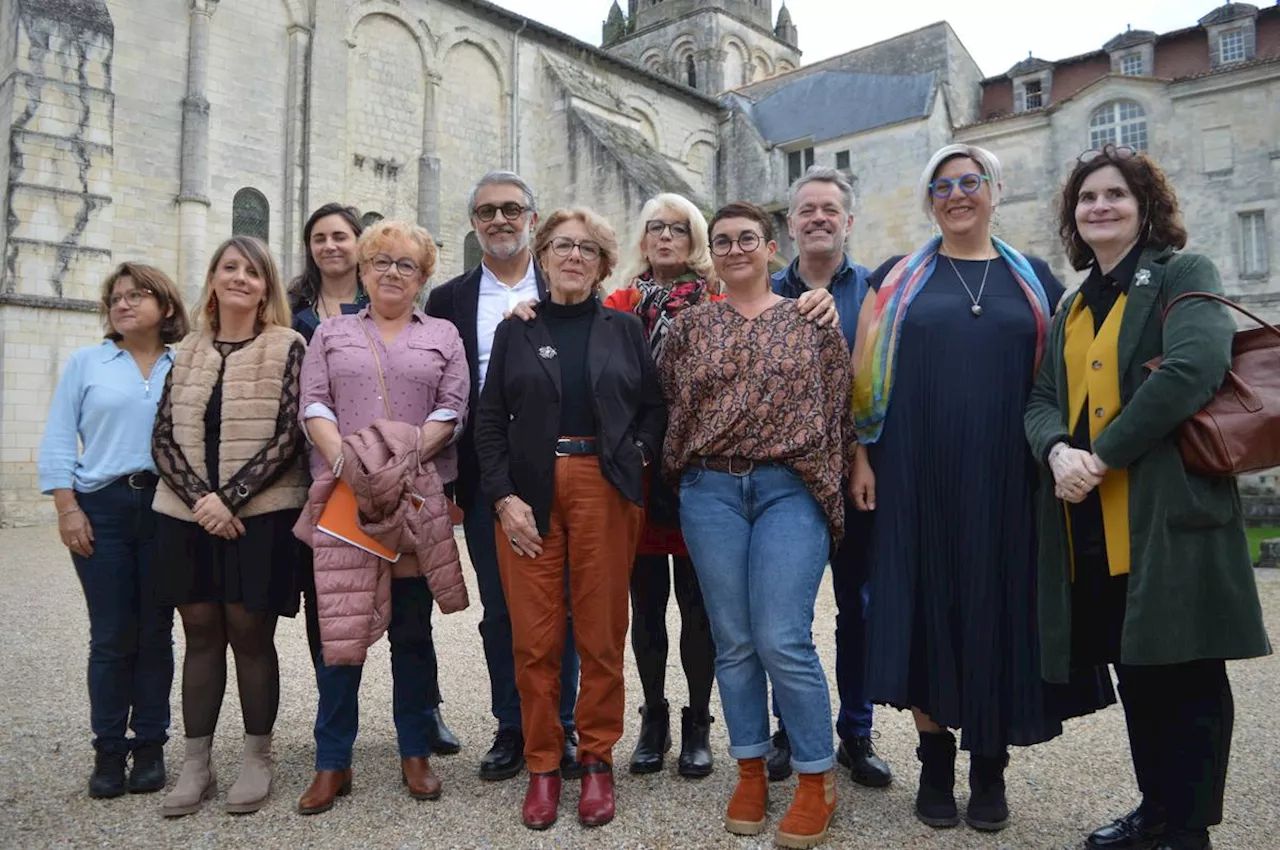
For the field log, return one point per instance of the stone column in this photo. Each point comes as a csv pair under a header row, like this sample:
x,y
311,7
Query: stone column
x,y
193,198
429,161
297,204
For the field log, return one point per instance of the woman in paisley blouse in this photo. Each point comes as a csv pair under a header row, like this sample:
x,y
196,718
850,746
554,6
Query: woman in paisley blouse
x,y
758,440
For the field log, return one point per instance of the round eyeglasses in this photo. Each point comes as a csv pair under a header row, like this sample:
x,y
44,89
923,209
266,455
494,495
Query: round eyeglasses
x,y
943,187
748,241
383,264
133,297
656,227
587,250
510,211
1110,151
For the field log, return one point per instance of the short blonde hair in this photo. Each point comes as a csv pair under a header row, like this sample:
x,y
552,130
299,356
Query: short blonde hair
x,y
597,228
987,161
276,309
699,243
173,327
378,236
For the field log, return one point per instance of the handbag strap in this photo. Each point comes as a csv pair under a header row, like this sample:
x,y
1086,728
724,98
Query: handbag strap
x,y
1221,300
377,361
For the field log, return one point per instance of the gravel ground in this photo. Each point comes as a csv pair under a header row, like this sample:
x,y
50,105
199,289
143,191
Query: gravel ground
x,y
1057,791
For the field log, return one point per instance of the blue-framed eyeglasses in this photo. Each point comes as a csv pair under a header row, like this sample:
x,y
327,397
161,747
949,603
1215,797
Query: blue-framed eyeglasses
x,y
968,183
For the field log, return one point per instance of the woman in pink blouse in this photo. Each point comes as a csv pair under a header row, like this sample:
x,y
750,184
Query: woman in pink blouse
x,y
421,363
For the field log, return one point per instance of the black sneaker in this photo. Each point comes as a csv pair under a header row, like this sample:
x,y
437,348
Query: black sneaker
x,y
108,775
505,758
147,774
865,767
779,758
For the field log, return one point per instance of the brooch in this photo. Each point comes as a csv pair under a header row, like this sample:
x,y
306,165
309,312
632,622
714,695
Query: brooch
x,y
1142,278
546,352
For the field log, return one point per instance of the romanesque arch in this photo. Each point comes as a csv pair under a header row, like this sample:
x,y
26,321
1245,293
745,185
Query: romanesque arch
x,y
736,59
653,61
764,68
649,121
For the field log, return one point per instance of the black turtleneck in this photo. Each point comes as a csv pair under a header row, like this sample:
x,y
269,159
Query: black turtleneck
x,y
570,328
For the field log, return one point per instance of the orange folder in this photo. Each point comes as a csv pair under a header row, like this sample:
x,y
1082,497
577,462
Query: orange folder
x,y
340,519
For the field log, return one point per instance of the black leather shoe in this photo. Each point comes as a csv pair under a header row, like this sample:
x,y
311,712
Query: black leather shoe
x,y
1138,830
695,743
107,779
147,774
505,758
570,767
1185,839
655,739
443,742
779,759
865,767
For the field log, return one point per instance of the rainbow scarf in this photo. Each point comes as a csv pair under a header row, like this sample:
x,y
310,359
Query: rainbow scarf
x,y
873,369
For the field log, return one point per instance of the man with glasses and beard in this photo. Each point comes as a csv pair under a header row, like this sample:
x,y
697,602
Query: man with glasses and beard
x,y
503,214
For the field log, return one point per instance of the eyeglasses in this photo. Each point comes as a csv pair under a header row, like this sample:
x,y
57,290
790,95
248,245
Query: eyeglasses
x,y
655,228
510,211
587,250
382,264
133,297
968,183
748,241
1110,151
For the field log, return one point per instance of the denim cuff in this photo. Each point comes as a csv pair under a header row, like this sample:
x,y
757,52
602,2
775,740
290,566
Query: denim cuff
x,y
816,766
751,751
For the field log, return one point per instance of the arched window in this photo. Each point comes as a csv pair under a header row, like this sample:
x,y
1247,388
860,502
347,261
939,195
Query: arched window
x,y
690,72
471,253
1120,122
370,218
250,214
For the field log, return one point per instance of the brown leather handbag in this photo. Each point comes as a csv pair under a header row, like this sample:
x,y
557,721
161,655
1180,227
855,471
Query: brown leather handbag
x,y
1238,431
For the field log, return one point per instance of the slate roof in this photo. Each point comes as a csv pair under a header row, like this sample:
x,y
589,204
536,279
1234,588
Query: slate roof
x,y
1129,38
831,104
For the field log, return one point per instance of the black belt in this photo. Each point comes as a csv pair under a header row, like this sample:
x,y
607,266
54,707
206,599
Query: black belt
x,y
139,480
739,466
566,446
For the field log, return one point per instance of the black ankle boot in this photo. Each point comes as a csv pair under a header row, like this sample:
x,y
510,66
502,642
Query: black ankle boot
x,y
655,739
988,810
108,775
147,774
936,798
695,743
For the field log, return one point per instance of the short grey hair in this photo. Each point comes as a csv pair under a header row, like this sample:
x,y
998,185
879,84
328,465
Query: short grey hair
x,y
506,178
821,174
987,161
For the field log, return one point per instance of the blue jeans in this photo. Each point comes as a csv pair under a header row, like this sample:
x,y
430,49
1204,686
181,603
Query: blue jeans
x,y
495,624
759,544
414,694
849,583
130,636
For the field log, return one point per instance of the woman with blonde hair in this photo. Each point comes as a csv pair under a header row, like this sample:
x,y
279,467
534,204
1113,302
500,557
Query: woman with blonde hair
x,y
228,449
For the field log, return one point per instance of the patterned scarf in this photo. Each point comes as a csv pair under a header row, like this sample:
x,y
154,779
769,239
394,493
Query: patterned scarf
x,y
873,369
659,305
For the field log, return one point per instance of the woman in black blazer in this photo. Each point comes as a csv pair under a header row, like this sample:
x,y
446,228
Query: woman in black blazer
x,y
570,415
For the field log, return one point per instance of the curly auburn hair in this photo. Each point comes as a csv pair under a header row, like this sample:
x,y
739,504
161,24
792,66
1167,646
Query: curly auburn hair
x,y
1161,219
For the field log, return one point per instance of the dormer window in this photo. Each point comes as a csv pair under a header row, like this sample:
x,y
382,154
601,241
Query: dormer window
x,y
1231,46
1032,81
1232,32
1033,94
1131,65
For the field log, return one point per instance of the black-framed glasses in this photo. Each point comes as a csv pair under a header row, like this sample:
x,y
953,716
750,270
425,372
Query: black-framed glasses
x,y
943,187
1110,151
748,241
510,211
133,297
588,250
382,264
655,227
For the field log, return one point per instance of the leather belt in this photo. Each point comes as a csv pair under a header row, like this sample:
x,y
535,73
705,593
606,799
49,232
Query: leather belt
x,y
739,466
139,480
566,446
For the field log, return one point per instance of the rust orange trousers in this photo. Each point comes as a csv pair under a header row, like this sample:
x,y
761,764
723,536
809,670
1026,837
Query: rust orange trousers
x,y
593,534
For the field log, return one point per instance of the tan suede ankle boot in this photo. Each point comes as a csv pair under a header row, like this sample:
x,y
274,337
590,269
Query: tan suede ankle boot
x,y
746,812
253,785
805,824
196,783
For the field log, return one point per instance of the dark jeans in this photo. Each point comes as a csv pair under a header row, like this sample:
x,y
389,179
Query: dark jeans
x,y
495,623
414,694
849,583
650,591
130,637
1180,719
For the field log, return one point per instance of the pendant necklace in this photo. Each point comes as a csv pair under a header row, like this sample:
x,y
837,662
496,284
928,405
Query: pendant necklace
x,y
975,308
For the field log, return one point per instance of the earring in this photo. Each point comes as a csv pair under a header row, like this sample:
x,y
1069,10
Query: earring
x,y
212,306
262,311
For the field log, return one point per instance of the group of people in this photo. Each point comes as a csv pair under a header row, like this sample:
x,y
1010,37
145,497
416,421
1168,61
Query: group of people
x,y
988,465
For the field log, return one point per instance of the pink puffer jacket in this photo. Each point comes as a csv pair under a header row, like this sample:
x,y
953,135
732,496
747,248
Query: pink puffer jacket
x,y
353,588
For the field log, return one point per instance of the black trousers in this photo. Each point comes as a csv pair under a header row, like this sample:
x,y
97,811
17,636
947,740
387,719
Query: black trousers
x,y
1180,719
650,590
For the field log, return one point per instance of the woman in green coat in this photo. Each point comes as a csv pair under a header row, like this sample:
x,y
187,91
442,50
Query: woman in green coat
x,y
1143,564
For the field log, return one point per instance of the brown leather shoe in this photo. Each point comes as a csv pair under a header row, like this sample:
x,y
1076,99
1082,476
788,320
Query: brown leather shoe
x,y
327,785
416,773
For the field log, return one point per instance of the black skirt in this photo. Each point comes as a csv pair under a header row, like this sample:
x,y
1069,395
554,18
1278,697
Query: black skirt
x,y
259,570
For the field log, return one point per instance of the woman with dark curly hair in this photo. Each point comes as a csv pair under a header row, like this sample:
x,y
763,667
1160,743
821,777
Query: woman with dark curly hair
x,y
1143,563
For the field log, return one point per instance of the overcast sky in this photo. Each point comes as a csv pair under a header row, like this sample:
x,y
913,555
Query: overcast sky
x,y
997,33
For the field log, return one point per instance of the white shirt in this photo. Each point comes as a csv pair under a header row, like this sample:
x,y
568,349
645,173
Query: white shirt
x,y
496,298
